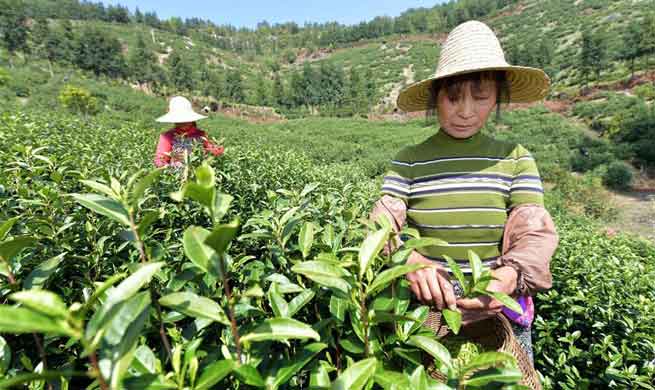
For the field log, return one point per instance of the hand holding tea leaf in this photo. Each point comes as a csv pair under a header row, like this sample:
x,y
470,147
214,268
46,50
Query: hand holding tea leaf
x,y
485,293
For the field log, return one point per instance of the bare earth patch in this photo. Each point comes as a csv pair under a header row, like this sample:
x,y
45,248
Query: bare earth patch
x,y
636,214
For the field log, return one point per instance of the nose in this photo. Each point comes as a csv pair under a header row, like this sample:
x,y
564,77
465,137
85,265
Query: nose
x,y
466,107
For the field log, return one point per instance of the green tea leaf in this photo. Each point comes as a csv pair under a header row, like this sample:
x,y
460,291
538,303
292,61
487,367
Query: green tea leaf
x,y
508,301
214,373
279,306
370,248
45,302
457,271
299,301
389,275
476,266
432,347
142,185
104,206
281,329
306,238
319,379
221,206
453,319
102,188
195,248
485,377
6,227
418,380
14,246
423,242
290,367
23,320
195,306
487,360
356,376
249,375
323,273
221,236
5,356
39,276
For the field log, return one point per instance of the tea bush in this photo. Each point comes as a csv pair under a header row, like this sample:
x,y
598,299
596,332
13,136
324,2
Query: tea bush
x,y
258,269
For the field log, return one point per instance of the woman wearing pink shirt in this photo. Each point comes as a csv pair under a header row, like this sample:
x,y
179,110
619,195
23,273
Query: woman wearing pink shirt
x,y
178,141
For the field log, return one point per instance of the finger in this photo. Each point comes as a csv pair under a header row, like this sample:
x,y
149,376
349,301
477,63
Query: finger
x,y
481,303
425,290
435,289
416,290
447,290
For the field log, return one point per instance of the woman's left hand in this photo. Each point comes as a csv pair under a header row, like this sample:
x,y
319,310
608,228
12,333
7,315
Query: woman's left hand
x,y
478,309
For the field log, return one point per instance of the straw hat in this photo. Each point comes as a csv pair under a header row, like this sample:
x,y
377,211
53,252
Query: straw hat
x,y
473,47
180,111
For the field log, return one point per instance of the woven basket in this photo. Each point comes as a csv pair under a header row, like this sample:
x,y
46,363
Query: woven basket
x,y
493,334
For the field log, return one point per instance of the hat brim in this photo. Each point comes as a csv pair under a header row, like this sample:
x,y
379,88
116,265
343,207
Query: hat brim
x,y
180,117
526,85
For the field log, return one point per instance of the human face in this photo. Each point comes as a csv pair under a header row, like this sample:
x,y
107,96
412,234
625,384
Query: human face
x,y
184,126
463,116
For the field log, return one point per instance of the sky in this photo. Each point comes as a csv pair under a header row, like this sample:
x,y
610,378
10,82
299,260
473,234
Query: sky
x,y
247,13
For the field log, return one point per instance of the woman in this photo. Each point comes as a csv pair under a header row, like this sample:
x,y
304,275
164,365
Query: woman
x,y
178,141
472,191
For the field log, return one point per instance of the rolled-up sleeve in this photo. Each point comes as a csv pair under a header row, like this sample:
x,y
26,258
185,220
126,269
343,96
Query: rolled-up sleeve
x,y
528,245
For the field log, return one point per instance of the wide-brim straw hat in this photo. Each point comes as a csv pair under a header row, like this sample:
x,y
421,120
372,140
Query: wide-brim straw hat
x,y
473,47
180,111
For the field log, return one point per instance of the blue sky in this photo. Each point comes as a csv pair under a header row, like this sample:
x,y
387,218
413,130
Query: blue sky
x,y
246,13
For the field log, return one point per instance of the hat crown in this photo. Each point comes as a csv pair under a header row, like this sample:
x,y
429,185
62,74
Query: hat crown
x,y
179,103
470,46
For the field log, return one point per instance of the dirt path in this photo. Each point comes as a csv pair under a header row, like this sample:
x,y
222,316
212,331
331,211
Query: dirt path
x,y
636,214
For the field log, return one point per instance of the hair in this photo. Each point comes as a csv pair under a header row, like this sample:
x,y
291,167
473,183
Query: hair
x,y
453,86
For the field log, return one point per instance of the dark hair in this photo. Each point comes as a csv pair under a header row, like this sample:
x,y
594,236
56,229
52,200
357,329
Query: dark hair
x,y
453,86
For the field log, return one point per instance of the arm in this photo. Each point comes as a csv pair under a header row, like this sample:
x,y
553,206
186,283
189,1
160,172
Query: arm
x,y
209,146
164,147
529,243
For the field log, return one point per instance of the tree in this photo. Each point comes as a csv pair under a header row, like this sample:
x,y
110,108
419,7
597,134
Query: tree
x,y
181,74
593,55
234,86
99,52
14,30
138,16
631,47
648,36
142,62
262,94
277,93
78,100
357,92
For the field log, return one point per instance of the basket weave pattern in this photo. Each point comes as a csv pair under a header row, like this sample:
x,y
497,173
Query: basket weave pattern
x,y
493,334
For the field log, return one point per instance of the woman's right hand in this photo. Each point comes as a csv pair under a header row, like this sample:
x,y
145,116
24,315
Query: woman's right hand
x,y
431,284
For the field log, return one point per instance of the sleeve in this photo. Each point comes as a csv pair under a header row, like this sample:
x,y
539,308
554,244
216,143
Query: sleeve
x,y
164,147
209,146
529,243
213,148
397,181
526,187
395,211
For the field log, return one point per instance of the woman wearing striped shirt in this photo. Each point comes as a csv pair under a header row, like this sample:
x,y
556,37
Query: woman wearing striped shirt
x,y
468,189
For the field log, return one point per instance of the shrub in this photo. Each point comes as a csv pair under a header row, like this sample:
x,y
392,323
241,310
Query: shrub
x,y
618,176
78,100
645,91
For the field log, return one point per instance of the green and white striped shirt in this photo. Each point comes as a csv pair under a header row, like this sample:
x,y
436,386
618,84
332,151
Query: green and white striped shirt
x,y
461,191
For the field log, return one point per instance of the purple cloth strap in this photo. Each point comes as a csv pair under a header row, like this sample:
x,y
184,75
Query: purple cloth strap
x,y
527,317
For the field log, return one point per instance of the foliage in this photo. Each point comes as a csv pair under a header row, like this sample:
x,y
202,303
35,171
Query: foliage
x,y
78,100
618,175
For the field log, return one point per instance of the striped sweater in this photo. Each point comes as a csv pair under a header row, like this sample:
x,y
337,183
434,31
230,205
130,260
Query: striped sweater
x,y
461,191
